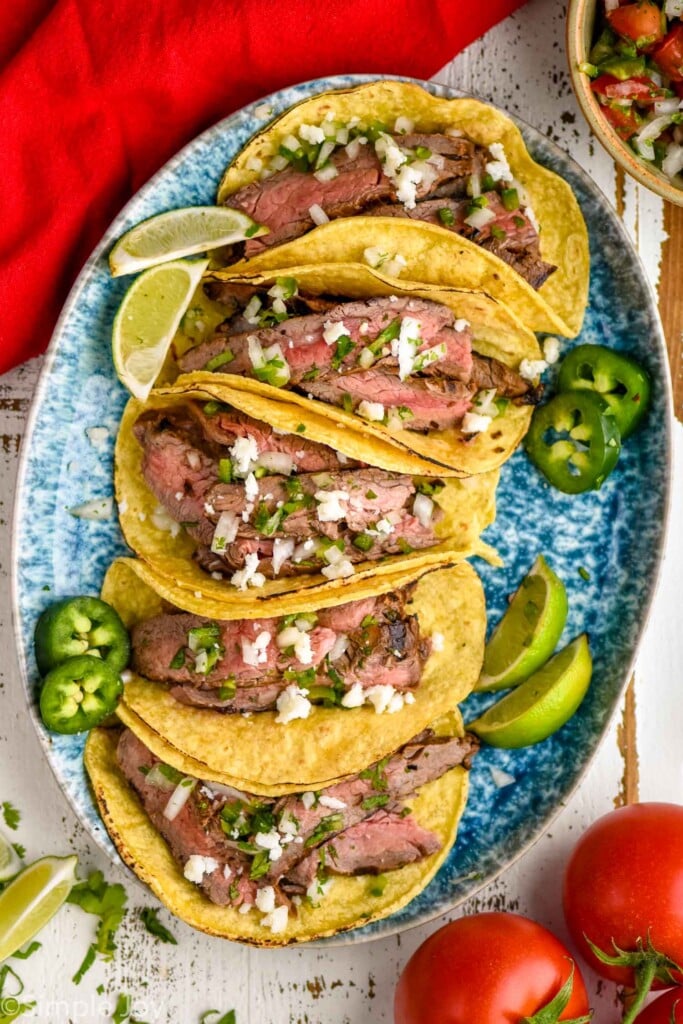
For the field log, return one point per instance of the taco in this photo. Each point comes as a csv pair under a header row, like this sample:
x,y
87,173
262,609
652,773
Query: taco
x,y
434,373
299,698
392,153
271,871
241,510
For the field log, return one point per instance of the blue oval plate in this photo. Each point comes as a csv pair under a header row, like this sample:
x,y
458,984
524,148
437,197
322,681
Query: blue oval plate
x,y
606,546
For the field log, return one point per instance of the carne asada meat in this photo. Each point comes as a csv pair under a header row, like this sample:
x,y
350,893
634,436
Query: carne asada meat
x,y
355,353
356,183
244,665
233,845
383,842
288,522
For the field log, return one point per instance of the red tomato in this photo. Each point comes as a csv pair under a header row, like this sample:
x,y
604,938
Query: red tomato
x,y
669,54
660,1012
641,89
624,880
625,122
486,969
641,22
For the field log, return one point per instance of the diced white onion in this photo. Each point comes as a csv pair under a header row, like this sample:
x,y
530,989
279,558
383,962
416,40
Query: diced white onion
x,y
225,532
222,790
673,161
668,105
653,129
472,423
291,143
475,184
501,778
326,151
317,214
366,358
163,521
673,8
339,647
479,218
373,411
353,149
179,797
282,550
485,403
403,125
156,777
279,162
99,508
255,350
423,509
276,462
342,136
254,163
251,310
327,173
311,133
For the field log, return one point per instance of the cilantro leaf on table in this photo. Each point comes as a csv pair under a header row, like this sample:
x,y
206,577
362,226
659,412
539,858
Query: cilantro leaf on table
x,y
108,902
150,919
11,815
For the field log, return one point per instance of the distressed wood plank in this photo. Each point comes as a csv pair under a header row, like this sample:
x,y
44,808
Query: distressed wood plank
x,y
671,298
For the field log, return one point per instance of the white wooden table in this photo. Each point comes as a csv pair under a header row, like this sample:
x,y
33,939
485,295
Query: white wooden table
x,y
520,65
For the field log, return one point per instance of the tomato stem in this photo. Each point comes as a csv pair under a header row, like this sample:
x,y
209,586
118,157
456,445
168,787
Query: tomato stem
x,y
552,1011
645,974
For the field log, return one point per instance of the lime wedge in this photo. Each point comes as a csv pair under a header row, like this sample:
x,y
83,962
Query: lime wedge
x,y
185,232
542,704
527,634
28,903
10,862
147,320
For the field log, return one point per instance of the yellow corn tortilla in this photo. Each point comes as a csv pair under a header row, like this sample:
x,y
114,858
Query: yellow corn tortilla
x,y
348,904
497,332
256,751
560,303
469,507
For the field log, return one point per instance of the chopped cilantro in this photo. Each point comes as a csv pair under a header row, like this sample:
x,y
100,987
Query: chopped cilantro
x,y
328,824
584,573
24,954
363,541
376,774
150,918
371,803
170,773
430,487
250,232
14,1008
405,413
367,621
260,864
123,1010
311,374
347,402
289,286
266,522
510,199
404,547
301,429
378,885
108,902
342,349
263,819
385,337
220,360
88,961
498,233
227,689
211,408
225,471
487,183
446,216
11,815
19,850
227,1018
370,495
178,658
233,891
519,222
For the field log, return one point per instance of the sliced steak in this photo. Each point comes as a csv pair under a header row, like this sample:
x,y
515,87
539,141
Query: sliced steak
x,y
431,404
195,831
426,758
383,842
490,373
302,342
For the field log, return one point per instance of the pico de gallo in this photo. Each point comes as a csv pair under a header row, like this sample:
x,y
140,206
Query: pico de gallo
x,y
636,71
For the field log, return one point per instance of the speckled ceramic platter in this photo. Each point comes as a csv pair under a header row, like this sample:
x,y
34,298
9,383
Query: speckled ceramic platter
x,y
606,546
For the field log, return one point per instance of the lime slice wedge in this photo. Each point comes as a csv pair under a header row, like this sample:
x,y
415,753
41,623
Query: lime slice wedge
x,y
147,320
185,232
10,862
527,634
28,903
542,704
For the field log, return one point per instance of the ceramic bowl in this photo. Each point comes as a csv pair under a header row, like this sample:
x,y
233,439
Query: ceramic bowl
x,y
580,21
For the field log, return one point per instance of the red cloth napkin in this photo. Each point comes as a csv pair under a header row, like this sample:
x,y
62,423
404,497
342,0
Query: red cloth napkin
x,y
95,96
